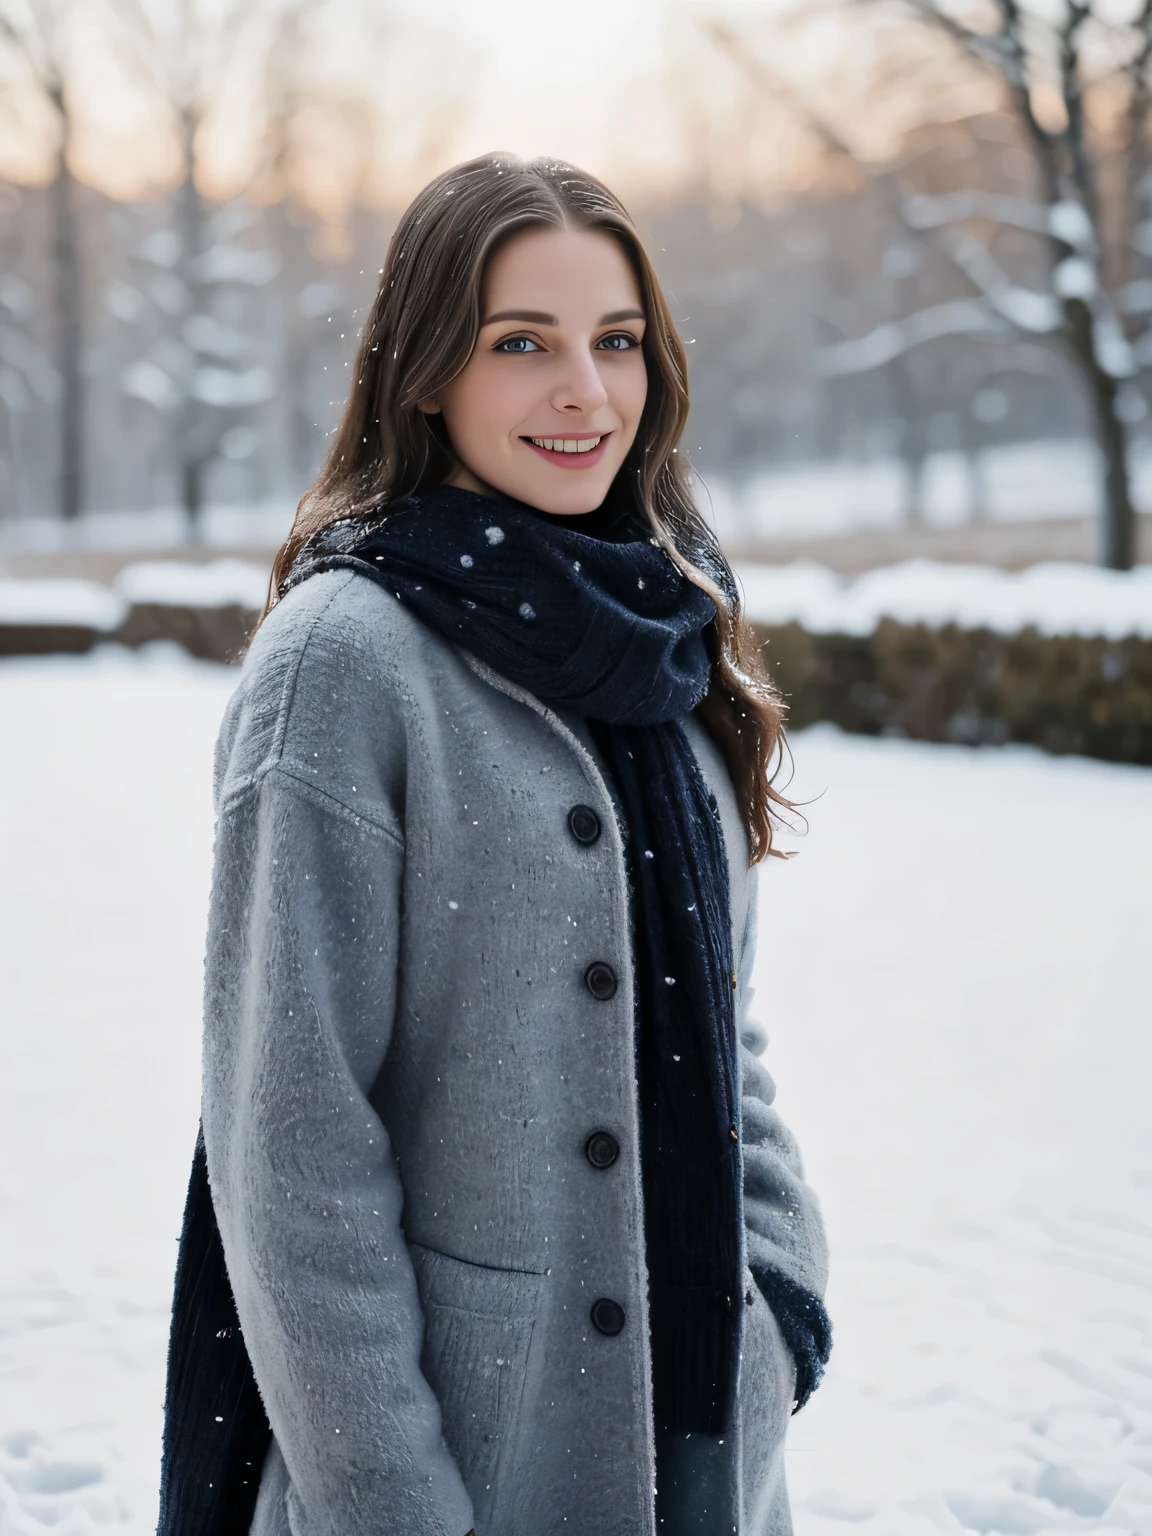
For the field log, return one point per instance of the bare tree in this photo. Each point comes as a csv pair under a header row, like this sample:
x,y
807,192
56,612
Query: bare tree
x,y
303,66
1088,227
185,57
41,34
29,390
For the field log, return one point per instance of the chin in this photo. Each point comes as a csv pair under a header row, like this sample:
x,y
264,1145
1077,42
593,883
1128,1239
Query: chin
x,y
564,500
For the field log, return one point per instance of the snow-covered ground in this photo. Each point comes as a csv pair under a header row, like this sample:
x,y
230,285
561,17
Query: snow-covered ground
x,y
954,977
955,980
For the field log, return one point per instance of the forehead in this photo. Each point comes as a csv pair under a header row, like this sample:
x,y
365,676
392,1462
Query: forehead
x,y
562,271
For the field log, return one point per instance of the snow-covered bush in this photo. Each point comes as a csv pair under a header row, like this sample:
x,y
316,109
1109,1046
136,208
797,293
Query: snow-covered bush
x,y
1066,693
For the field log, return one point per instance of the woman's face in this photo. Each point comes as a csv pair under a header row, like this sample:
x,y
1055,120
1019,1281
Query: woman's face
x,y
547,406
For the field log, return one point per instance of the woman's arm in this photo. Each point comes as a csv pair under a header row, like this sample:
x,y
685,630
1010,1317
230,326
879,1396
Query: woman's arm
x,y
300,994
784,1234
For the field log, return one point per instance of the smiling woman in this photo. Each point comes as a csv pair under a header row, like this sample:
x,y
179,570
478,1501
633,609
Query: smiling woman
x,y
492,1224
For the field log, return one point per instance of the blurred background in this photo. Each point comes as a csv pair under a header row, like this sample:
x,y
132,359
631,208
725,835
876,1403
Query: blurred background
x,y
912,252
909,244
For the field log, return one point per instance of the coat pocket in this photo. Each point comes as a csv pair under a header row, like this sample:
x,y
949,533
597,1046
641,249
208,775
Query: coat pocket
x,y
478,1326
766,1394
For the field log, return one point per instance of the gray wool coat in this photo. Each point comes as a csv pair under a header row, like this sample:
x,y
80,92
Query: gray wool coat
x,y
402,1068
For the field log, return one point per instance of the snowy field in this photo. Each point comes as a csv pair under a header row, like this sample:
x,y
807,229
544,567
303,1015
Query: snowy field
x,y
955,979
1015,482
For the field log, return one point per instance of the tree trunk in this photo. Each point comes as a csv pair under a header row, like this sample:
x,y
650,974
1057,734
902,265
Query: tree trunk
x,y
69,339
977,484
914,461
913,445
192,493
1118,529
190,214
972,454
1118,521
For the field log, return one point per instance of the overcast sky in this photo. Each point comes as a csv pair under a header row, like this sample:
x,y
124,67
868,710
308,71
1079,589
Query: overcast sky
x,y
554,79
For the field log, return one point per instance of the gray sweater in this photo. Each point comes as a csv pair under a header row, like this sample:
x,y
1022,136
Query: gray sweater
x,y
403,1065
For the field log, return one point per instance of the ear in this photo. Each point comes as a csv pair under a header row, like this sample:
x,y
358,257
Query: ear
x,y
431,406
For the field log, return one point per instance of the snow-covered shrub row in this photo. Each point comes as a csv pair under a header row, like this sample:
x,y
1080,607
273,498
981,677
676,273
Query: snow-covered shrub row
x,y
1066,693
66,617
1053,599
219,584
208,609
61,603
1059,656
211,610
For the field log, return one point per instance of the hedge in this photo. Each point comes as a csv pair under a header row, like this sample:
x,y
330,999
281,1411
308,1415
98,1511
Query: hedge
x,y
1065,693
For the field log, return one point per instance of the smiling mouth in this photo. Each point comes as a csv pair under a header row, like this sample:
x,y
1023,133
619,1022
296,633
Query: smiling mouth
x,y
570,451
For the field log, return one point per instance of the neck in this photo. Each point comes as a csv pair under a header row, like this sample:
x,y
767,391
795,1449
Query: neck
x,y
603,522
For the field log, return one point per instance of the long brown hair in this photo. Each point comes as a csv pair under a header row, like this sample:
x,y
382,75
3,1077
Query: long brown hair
x,y
420,334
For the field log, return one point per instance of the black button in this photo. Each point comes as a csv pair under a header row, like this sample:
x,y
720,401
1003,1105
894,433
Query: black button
x,y
601,1149
607,1317
600,979
583,823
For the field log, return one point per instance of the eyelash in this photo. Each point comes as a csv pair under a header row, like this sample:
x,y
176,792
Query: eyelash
x,y
633,343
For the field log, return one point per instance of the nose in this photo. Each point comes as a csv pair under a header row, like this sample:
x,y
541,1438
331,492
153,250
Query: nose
x,y
579,387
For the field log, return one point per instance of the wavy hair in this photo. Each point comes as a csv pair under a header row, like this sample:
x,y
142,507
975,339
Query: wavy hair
x,y
419,335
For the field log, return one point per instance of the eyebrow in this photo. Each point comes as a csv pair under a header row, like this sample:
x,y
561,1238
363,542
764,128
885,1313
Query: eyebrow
x,y
539,317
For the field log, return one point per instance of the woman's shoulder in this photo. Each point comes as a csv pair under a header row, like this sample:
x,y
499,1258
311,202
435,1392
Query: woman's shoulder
x,y
322,683
327,618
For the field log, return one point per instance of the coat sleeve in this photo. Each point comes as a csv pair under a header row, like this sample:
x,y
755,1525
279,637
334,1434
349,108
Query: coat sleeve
x,y
300,994
786,1247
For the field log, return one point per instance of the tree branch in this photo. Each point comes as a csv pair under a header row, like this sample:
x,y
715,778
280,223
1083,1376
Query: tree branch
x,y
769,82
960,317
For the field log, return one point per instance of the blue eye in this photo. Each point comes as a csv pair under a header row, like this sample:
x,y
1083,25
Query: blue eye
x,y
619,341
516,344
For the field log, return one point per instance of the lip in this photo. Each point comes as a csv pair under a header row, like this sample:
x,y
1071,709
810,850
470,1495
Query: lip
x,y
571,460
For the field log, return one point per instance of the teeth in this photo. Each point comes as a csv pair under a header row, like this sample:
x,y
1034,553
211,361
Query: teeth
x,y
567,445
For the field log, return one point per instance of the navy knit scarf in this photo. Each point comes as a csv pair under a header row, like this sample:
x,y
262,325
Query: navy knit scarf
x,y
608,629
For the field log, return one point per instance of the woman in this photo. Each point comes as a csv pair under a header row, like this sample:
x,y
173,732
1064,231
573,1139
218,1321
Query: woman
x,y
515,1241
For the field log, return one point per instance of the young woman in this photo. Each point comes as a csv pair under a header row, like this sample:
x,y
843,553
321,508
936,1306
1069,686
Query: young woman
x,y
502,1232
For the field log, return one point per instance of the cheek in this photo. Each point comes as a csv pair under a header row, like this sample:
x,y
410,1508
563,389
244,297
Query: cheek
x,y
631,391
486,406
